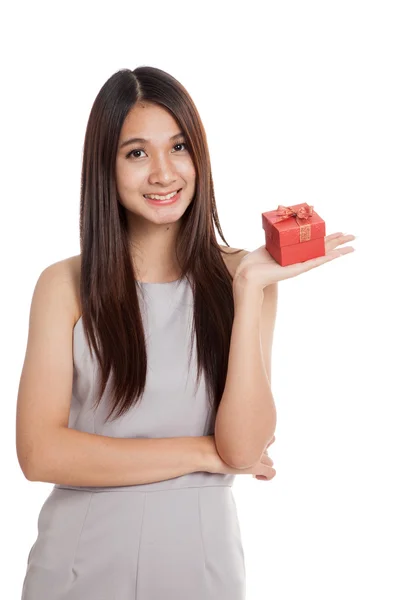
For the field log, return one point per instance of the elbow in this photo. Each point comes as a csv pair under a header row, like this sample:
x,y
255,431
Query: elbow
x,y
28,470
239,457
236,462
28,464
30,475
225,457
233,457
243,462
35,473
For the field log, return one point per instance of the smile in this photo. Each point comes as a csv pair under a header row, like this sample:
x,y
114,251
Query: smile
x,y
161,196
157,200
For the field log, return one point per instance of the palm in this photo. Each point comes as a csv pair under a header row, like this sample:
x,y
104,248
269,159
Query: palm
x,y
262,269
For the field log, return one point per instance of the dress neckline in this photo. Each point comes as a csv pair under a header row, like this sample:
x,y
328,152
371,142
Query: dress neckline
x,y
147,283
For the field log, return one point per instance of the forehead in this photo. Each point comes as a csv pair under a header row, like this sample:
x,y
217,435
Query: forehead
x,y
149,120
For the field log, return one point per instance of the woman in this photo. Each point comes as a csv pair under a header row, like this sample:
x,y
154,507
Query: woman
x,y
109,407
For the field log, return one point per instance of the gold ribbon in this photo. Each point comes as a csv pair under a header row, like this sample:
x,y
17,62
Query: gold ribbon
x,y
301,214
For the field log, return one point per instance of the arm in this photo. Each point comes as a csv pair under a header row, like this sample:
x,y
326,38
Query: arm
x,y
71,457
47,449
246,417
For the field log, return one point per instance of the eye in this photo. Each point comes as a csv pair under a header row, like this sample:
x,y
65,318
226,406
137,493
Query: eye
x,y
132,151
142,150
180,144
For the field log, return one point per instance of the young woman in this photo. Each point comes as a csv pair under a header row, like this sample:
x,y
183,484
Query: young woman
x,y
127,363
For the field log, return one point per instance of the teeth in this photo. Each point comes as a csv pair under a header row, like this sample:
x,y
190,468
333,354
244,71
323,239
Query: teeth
x,y
155,197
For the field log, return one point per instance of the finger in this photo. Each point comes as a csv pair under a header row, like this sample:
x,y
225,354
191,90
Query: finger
x,y
333,236
346,250
265,477
268,445
337,241
339,252
320,260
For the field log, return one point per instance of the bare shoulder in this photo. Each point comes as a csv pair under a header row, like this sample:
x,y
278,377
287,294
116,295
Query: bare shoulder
x,y
62,280
67,272
232,260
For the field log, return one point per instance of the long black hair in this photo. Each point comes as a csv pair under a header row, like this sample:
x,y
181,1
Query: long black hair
x,y
111,314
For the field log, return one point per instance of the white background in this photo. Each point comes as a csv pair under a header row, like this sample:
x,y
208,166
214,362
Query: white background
x,y
300,102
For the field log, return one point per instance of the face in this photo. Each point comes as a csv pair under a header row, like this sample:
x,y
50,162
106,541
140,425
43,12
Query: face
x,y
159,165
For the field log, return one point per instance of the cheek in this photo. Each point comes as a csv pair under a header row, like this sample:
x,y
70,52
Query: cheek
x,y
126,177
189,172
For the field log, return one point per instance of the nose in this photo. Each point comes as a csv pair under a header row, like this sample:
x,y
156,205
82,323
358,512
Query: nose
x,y
163,171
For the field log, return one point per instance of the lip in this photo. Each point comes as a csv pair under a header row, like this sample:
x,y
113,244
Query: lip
x,y
172,200
164,194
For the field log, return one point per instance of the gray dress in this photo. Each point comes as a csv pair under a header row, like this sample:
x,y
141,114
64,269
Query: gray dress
x,y
176,539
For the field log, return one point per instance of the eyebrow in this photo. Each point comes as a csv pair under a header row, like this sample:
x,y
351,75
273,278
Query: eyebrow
x,y
144,141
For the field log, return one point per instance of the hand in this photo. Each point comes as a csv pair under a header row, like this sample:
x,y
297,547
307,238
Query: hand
x,y
261,269
266,460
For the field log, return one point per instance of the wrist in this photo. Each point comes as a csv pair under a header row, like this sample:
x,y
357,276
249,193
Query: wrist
x,y
209,457
246,290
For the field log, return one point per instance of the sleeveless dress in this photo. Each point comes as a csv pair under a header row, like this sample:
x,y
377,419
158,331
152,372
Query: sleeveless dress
x,y
176,539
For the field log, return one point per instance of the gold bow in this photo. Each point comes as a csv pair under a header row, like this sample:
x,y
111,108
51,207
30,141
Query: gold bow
x,y
303,213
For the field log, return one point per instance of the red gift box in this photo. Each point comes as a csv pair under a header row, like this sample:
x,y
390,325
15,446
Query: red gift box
x,y
294,234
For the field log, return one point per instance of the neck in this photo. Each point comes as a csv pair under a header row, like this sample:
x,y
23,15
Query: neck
x,y
153,252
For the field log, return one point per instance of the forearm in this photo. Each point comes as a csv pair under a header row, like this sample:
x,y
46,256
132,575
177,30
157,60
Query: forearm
x,y
246,417
77,458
